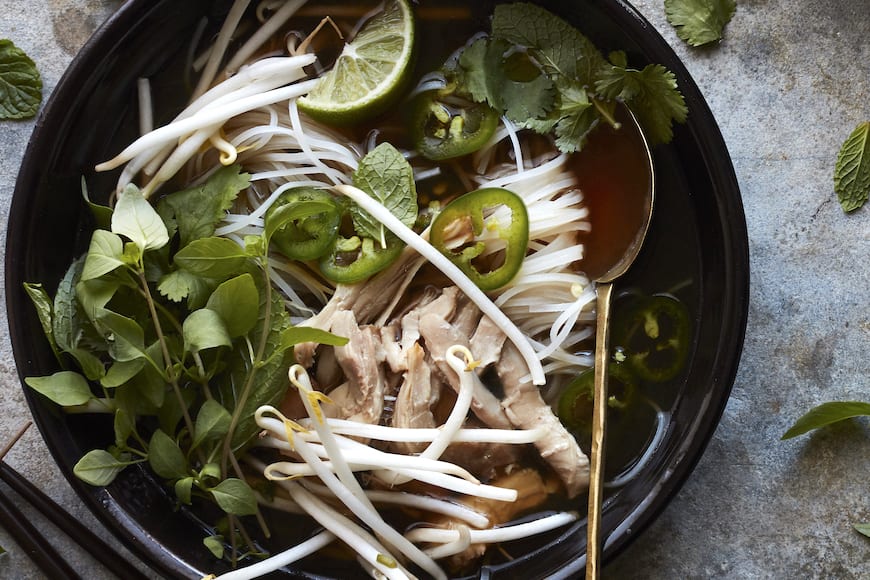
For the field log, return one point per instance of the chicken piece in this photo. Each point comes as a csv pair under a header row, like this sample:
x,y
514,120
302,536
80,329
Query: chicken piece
x,y
439,335
526,410
487,342
368,300
361,397
417,395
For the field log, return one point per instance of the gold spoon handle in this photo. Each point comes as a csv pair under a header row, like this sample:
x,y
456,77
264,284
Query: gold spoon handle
x,y
599,417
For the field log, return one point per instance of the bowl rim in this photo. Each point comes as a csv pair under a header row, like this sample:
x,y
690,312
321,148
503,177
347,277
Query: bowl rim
x,y
705,134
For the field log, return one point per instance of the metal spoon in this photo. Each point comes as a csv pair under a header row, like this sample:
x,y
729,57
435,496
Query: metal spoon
x,y
622,262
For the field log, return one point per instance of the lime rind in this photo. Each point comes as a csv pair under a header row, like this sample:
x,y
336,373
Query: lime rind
x,y
370,73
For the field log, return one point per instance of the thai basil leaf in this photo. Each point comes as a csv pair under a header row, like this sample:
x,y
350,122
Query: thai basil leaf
x,y
826,414
165,456
234,496
66,388
237,302
135,218
99,467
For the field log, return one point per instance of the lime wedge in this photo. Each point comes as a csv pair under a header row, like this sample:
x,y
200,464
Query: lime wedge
x,y
371,71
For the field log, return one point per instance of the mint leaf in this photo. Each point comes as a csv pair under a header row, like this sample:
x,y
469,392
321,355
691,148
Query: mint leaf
x,y
20,83
826,414
385,175
195,212
652,95
699,22
863,528
559,47
852,172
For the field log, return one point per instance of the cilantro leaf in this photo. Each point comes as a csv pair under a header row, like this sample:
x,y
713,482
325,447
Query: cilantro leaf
x,y
699,22
472,70
20,83
579,117
509,81
385,175
852,172
652,95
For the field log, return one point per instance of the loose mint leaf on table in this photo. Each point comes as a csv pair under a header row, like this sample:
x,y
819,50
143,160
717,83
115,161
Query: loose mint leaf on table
x,y
852,172
699,22
826,414
385,175
20,83
863,528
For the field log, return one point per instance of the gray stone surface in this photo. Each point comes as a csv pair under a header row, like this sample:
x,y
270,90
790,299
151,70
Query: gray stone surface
x,y
787,85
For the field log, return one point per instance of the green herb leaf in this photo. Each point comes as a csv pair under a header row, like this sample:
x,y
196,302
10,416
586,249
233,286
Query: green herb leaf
x,y
217,258
560,48
125,336
44,310
165,457
215,545
212,422
234,496
301,334
99,467
852,172
826,414
237,302
183,489
20,83
105,254
135,218
66,388
121,372
652,95
385,175
577,117
863,529
699,22
195,212
203,329
513,85
124,426
269,382
67,318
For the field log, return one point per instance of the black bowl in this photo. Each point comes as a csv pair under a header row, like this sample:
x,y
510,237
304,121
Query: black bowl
x,y
699,224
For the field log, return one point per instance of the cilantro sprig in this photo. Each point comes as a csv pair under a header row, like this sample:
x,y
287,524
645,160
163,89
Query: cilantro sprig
x,y
544,75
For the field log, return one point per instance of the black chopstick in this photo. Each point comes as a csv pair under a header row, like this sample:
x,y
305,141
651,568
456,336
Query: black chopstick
x,y
33,543
72,527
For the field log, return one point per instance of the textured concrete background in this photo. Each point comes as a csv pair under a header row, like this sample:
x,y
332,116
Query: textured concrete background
x,y
788,84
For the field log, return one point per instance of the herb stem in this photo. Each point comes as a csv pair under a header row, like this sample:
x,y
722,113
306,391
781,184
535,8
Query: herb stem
x,y
605,114
167,358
